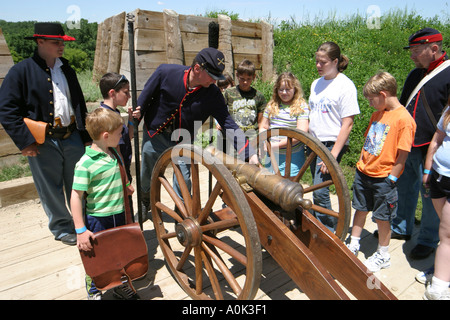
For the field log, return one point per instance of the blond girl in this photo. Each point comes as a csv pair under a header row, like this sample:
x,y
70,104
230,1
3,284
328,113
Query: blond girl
x,y
287,109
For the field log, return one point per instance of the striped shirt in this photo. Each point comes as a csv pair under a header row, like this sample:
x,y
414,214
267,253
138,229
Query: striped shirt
x,y
99,176
284,120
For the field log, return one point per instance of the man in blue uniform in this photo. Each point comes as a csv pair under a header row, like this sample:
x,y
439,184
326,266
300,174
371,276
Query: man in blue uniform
x,y
180,97
45,88
425,95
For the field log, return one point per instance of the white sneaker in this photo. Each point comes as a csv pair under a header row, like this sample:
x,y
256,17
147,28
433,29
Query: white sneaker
x,y
377,262
424,277
354,248
431,295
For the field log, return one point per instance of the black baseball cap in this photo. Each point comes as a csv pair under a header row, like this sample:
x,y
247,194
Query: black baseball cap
x,y
213,61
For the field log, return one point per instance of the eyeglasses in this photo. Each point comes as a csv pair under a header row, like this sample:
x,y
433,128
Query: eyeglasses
x,y
122,78
285,90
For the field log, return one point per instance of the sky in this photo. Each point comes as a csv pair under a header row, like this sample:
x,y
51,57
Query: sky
x,y
273,11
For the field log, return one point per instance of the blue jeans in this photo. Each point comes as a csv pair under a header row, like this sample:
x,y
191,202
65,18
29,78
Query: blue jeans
x,y
321,197
409,184
53,171
297,160
152,148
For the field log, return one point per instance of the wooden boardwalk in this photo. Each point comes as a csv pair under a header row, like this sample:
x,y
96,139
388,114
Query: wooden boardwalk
x,y
33,266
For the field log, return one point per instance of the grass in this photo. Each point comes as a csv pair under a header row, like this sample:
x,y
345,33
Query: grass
x,y
18,170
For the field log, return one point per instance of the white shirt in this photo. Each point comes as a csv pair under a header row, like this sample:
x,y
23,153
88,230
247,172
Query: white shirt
x,y
61,95
441,159
331,101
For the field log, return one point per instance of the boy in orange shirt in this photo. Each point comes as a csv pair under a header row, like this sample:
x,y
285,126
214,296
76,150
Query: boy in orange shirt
x,y
389,137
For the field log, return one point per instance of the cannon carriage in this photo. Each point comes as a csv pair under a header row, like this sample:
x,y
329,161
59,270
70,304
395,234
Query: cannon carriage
x,y
212,239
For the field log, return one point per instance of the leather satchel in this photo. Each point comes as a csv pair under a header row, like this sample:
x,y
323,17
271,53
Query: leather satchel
x,y
38,129
119,255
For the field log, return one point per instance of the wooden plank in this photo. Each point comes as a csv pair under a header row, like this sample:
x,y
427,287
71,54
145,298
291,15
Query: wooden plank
x,y
246,29
194,42
247,45
195,24
149,40
149,20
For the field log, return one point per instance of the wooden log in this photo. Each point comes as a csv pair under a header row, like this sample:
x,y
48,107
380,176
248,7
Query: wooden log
x,y
96,72
247,45
225,43
267,51
17,191
174,44
115,45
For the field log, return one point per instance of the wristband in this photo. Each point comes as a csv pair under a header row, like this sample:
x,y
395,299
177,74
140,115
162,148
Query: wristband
x,y
393,178
130,123
426,171
81,230
128,184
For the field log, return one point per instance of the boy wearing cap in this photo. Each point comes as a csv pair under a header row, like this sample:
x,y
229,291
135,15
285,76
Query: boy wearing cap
x,y
425,95
181,97
45,88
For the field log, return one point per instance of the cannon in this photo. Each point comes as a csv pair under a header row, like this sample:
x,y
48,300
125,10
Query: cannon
x,y
212,239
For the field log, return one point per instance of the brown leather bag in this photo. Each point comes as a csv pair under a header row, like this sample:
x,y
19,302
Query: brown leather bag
x,y
37,128
119,254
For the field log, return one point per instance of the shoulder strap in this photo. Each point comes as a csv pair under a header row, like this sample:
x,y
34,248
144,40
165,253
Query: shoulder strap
x,y
427,108
427,78
129,218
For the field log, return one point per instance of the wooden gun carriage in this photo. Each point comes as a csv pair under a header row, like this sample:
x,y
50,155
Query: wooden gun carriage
x,y
212,240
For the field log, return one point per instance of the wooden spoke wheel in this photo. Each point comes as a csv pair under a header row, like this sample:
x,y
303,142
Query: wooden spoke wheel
x,y
341,211
210,241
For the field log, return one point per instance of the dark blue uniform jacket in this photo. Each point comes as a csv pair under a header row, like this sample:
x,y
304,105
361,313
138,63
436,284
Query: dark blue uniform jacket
x,y
167,102
27,91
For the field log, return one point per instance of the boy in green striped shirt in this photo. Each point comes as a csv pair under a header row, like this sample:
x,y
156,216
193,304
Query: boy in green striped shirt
x,y
97,175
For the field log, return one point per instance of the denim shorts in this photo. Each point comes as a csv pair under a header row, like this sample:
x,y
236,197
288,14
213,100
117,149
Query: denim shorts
x,y
378,195
439,186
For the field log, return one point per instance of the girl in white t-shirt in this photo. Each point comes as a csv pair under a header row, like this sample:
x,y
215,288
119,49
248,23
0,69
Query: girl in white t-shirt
x,y
287,109
333,103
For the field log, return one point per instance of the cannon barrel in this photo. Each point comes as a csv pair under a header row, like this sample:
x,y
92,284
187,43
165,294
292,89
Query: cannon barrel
x,y
283,192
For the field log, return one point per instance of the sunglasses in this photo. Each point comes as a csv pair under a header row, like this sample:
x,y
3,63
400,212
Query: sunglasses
x,y
122,78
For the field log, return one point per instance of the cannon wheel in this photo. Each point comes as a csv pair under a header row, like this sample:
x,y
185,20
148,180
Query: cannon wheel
x,y
343,210
210,257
